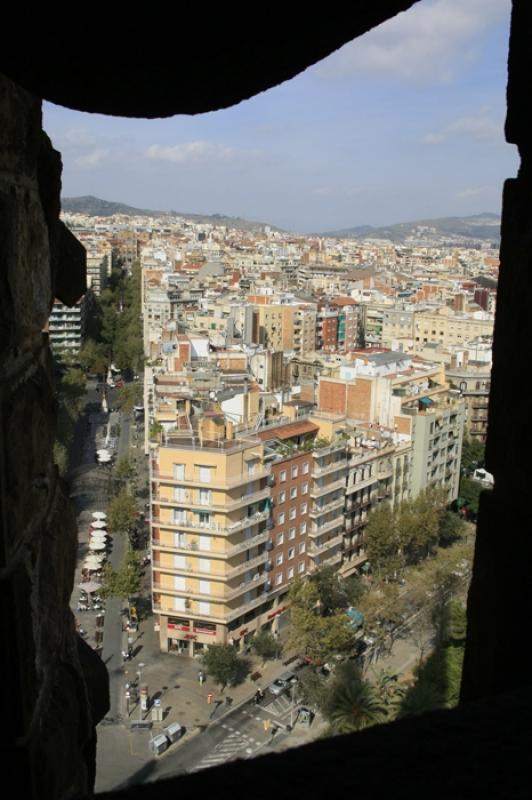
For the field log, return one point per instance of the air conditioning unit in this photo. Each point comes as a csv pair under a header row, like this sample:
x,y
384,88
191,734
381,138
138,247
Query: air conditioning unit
x,y
256,576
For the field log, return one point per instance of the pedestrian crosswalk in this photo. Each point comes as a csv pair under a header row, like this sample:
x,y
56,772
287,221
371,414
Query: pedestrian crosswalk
x,y
236,743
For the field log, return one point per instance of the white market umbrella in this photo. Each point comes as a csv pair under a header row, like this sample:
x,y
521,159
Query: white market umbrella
x,y
97,546
90,586
99,537
98,523
99,515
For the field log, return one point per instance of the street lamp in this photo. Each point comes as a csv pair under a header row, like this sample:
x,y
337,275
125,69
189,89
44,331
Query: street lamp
x,y
139,675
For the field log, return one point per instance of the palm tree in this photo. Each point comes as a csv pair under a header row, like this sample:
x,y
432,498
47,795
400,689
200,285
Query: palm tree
x,y
353,705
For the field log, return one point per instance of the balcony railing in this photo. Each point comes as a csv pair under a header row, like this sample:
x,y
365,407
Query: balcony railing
x,y
316,550
317,472
351,488
317,511
246,565
319,491
337,522
211,527
214,484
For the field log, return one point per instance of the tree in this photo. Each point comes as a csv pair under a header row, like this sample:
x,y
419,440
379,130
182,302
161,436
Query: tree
x,y
452,528
419,523
265,645
383,542
312,688
470,495
94,357
473,456
222,662
125,582
352,703
73,389
121,512
125,469
128,397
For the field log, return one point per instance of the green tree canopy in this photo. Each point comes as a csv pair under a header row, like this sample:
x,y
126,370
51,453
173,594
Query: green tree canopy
x,y
265,645
125,582
352,703
383,542
222,662
473,456
121,512
125,469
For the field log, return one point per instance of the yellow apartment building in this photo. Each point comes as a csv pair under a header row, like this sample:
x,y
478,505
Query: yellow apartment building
x,y
210,533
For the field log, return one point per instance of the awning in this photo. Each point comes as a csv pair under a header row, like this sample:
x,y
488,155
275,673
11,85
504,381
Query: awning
x,y
426,401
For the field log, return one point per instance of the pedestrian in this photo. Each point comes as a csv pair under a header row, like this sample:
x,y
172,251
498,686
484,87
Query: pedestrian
x,y
129,653
201,677
124,655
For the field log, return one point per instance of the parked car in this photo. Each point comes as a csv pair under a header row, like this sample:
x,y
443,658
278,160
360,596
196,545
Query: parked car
x,y
282,683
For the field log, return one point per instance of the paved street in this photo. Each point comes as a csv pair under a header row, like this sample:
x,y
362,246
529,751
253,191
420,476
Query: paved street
x,y
214,733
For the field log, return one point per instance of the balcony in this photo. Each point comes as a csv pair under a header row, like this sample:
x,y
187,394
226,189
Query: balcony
x,y
330,448
316,531
354,487
316,550
190,570
242,479
223,530
317,472
320,491
246,565
247,586
262,538
258,601
317,511
327,562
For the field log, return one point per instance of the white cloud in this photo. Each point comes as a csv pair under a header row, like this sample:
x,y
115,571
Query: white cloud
x,y
93,158
473,192
481,127
428,42
191,152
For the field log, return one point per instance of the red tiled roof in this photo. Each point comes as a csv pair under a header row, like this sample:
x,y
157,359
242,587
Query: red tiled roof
x,y
287,431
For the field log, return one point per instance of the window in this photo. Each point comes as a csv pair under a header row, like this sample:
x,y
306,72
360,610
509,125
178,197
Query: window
x,y
304,488
291,553
303,527
279,579
279,559
295,472
280,518
293,512
290,572
205,474
179,472
282,476
301,566
292,533
301,548
281,497
293,492
205,497
280,538
303,508
305,468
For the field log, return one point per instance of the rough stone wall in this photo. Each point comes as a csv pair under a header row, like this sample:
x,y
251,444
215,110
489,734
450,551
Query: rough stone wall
x,y
45,690
500,598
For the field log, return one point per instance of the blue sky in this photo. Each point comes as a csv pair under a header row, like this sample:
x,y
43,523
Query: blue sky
x,y
404,123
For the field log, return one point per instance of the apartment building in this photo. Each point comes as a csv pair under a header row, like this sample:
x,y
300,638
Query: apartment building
x,y
210,512
437,436
448,328
66,326
473,383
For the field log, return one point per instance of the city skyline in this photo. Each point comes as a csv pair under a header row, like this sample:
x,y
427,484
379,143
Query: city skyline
x,y
405,123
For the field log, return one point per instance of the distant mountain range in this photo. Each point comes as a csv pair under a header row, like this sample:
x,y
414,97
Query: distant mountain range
x,y
95,207
479,227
